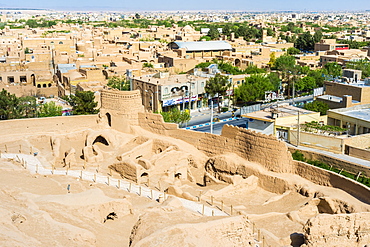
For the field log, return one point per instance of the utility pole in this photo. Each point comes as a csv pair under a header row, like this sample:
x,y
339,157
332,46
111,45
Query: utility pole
x,y
298,129
294,95
183,101
211,126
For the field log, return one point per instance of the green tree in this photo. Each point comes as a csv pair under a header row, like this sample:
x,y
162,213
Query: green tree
x,y
333,69
207,38
241,31
49,109
27,106
8,105
176,116
317,106
285,63
317,36
119,82
217,86
226,30
254,88
274,80
253,69
293,51
32,23
318,76
304,70
148,65
213,32
203,65
270,32
305,84
363,65
83,103
305,42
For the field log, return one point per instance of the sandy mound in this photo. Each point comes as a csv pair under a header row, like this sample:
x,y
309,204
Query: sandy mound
x,y
92,204
178,228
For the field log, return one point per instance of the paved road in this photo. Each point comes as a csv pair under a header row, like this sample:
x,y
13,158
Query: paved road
x,y
204,116
217,127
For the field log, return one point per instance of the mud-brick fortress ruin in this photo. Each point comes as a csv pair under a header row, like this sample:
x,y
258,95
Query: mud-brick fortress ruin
x,y
291,203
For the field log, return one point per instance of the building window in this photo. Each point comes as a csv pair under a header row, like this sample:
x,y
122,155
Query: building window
x,y
166,90
202,84
23,79
10,79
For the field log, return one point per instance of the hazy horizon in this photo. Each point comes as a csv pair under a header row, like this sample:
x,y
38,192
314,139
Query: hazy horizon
x,y
192,5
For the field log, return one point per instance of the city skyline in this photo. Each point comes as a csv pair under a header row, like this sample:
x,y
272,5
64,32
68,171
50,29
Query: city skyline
x,y
166,5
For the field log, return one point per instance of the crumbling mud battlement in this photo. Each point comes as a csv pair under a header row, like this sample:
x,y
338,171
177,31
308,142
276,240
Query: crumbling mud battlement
x,y
253,146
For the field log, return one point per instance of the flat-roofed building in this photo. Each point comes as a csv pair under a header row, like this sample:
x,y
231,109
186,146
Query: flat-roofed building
x,y
330,44
161,92
356,119
343,95
279,120
200,48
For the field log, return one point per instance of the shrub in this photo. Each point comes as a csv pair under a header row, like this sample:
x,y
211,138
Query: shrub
x,y
297,155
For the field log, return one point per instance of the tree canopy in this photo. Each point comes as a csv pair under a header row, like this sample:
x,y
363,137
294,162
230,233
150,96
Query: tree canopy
x,y
255,87
317,106
305,42
285,63
49,109
363,65
213,32
217,86
9,105
333,69
83,103
119,82
176,116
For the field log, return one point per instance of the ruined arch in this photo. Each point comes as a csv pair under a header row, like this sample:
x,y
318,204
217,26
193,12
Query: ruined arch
x,y
101,139
109,119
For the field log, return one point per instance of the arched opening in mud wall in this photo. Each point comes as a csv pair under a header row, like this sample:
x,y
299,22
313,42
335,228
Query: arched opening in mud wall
x,y
109,118
101,140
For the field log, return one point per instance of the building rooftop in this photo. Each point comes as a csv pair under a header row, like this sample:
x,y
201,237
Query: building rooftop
x,y
363,114
170,80
204,45
331,98
282,111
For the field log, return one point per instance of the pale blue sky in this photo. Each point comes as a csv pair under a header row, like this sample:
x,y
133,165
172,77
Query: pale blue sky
x,y
241,5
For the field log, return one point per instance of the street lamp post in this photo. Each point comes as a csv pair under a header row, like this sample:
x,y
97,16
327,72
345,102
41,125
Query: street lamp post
x,y
211,126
